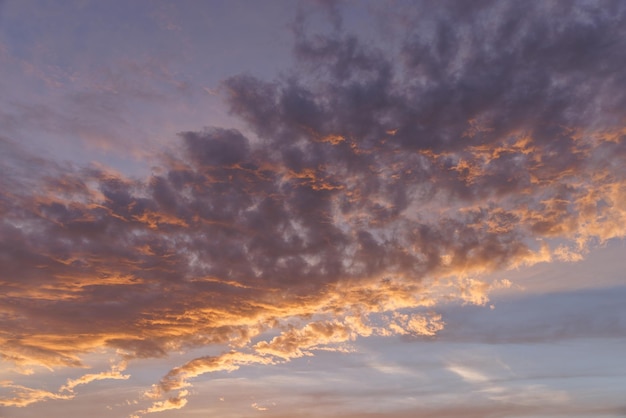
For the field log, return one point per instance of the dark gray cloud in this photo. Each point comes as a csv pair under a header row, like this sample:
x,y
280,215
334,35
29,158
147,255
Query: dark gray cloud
x,y
368,174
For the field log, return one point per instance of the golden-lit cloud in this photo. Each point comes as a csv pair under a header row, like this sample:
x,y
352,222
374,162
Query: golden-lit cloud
x,y
174,402
295,342
24,396
365,192
115,373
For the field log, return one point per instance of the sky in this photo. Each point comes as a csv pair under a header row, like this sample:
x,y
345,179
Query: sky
x,y
329,209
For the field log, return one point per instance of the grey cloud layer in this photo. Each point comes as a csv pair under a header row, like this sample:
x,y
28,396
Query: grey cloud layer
x,y
370,174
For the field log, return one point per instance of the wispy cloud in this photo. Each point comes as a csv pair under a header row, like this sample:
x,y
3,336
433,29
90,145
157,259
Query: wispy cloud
x,y
115,373
24,396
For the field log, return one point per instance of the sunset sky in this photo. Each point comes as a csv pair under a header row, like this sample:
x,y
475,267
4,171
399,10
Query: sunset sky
x,y
319,209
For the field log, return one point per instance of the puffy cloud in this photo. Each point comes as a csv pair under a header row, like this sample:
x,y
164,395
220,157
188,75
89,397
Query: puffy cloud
x,y
417,324
297,342
174,402
370,183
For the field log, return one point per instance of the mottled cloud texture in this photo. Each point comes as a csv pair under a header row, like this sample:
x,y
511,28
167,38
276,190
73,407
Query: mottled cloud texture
x,y
372,185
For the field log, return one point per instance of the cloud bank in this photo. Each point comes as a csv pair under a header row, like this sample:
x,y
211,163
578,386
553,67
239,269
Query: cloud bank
x,y
372,185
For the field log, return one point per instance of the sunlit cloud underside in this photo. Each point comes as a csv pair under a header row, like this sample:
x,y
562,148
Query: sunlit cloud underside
x,y
369,188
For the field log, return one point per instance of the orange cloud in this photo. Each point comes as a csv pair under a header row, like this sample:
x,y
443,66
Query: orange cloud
x,y
115,373
24,396
365,199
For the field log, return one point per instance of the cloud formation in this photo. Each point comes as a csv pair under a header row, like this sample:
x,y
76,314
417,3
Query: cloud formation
x,y
372,186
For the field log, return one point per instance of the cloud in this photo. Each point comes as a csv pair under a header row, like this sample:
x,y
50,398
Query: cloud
x,y
370,185
24,396
232,360
174,402
467,374
296,342
177,378
555,316
115,373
